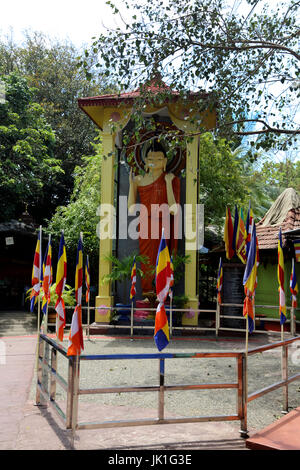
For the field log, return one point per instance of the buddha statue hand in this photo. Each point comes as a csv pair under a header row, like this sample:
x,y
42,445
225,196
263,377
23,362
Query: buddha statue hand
x,y
130,176
169,177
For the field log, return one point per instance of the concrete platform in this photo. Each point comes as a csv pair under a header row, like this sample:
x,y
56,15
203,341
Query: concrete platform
x,y
25,426
284,434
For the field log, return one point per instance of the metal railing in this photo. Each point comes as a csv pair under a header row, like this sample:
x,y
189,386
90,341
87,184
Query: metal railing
x,y
47,393
286,380
216,319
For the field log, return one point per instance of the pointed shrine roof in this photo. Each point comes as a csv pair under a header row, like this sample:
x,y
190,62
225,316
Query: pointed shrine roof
x,y
284,213
154,86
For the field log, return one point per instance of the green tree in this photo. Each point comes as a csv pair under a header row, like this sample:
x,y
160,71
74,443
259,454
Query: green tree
x,y
245,59
28,169
221,178
277,176
51,70
80,215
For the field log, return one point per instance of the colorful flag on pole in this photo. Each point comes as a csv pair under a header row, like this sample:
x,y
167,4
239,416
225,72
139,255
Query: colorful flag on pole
x,y
297,250
228,235
75,345
241,237
257,264
87,280
250,280
36,274
294,285
61,277
249,228
133,280
235,228
163,280
172,278
280,273
47,277
220,281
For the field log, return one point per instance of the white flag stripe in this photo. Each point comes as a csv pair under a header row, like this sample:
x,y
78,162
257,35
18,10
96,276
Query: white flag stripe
x,y
282,297
59,309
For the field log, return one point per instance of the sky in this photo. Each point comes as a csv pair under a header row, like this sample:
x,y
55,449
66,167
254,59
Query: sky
x,y
75,20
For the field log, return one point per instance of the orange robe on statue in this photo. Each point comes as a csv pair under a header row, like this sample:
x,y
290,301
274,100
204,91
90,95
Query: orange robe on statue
x,y
156,193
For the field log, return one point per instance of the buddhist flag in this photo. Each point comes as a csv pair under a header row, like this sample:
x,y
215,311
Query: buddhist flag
x,y
163,280
133,280
220,281
61,277
235,228
294,285
280,273
297,250
228,235
250,280
36,274
75,345
241,236
47,277
257,263
87,280
172,278
249,228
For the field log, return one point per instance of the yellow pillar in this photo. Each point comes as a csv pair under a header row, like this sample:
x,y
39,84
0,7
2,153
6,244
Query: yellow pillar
x,y
190,212
105,246
178,114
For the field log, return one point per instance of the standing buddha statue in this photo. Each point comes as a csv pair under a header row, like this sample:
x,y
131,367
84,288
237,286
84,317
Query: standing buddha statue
x,y
159,192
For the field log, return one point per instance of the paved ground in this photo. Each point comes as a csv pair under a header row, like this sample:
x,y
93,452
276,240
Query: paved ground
x,y
17,323
25,426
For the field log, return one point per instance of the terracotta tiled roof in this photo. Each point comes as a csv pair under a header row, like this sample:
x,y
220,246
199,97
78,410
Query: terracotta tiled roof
x,y
268,235
154,86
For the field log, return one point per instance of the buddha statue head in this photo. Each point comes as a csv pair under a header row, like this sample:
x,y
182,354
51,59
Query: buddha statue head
x,y
156,158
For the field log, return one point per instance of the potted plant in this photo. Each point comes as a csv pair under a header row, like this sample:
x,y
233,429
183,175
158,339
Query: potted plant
x,y
68,297
121,272
179,301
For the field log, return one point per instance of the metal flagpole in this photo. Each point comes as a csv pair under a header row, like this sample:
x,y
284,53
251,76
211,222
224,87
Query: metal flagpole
x,y
292,311
171,315
131,320
75,400
246,362
217,318
56,315
88,328
39,304
81,236
46,316
88,312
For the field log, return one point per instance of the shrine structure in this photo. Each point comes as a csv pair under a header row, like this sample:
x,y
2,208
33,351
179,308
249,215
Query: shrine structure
x,y
112,115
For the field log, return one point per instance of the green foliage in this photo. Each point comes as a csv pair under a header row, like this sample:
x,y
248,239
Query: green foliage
x,y
221,178
245,57
28,167
277,176
180,301
68,295
121,268
80,215
179,262
51,71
